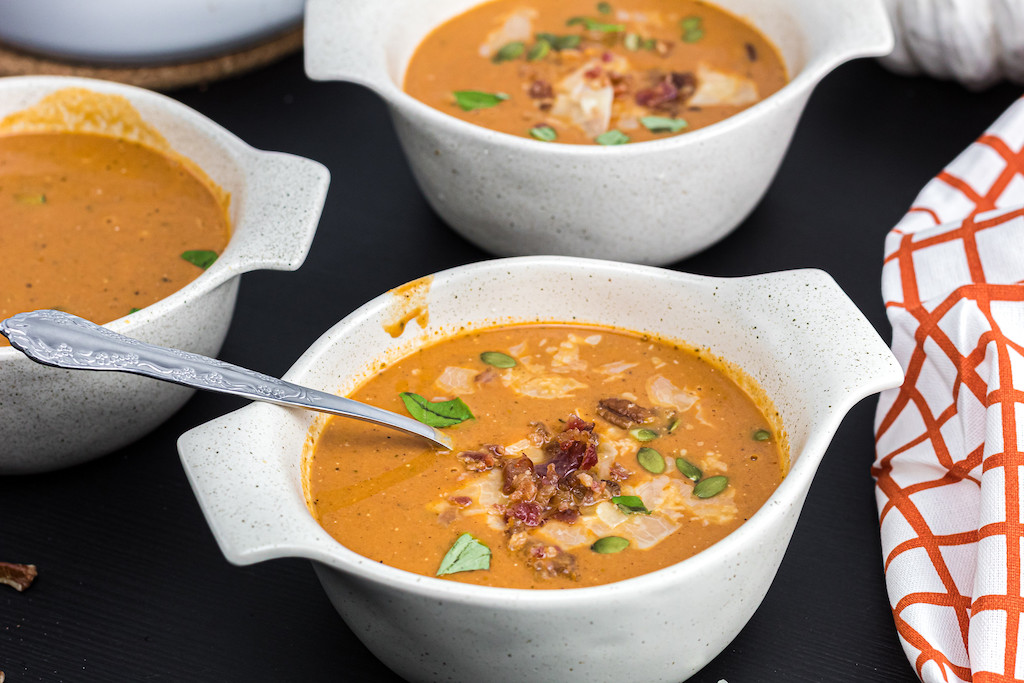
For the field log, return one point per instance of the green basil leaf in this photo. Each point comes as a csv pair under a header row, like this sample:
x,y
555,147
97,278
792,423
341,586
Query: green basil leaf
x,y
649,44
498,359
30,198
466,554
440,414
469,100
539,51
612,137
604,8
691,23
693,36
134,310
609,545
569,42
762,435
650,460
688,469
663,124
712,486
509,51
203,258
544,133
595,25
643,434
574,21
631,504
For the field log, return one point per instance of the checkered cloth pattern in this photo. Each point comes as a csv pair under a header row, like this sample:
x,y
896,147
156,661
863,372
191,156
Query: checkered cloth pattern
x,y
950,442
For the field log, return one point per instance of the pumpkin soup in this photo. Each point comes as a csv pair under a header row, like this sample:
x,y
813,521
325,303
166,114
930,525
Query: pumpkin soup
x,y
99,226
579,71
583,455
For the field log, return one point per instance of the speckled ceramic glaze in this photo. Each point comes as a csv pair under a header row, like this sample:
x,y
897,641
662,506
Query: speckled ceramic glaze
x,y
651,202
795,333
52,418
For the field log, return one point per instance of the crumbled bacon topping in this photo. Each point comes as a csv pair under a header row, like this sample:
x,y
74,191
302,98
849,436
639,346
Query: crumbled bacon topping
x,y
483,460
17,576
541,90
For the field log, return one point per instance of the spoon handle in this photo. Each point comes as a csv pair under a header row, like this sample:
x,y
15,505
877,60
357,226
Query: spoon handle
x,y
67,341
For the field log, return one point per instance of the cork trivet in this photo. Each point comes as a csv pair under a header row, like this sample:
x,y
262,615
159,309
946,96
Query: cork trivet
x,y
162,77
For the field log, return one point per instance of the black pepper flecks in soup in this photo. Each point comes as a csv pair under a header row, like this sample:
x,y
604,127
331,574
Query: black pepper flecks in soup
x,y
583,455
579,71
99,226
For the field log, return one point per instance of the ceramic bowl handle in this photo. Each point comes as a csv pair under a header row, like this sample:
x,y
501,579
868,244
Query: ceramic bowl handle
x,y
288,194
357,56
853,30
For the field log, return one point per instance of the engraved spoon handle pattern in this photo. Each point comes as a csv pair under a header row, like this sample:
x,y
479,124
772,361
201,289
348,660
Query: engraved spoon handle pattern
x,y
67,341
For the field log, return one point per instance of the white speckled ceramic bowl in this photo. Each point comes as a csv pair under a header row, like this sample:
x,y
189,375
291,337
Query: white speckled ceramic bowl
x,y
51,418
795,333
651,202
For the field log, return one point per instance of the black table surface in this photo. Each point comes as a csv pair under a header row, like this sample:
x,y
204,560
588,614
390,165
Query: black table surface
x,y
132,586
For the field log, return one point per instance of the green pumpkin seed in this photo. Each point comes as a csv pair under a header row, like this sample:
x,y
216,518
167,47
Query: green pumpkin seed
x,y
609,545
498,359
712,486
688,469
642,434
651,460
508,52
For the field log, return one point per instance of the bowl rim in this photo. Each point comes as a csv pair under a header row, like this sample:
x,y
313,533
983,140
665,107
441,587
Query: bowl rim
x,y
230,263
318,545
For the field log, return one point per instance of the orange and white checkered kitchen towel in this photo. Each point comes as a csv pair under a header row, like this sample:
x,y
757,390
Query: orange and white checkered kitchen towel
x,y
950,441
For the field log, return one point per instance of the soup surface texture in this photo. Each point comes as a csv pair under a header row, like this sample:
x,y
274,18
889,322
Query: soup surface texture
x,y
579,71
593,455
99,226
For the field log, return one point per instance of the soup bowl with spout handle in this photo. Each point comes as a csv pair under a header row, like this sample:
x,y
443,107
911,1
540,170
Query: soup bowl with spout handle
x,y
652,202
795,334
52,418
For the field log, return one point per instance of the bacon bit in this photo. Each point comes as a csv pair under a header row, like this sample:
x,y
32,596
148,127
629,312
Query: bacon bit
x,y
551,561
487,376
460,501
482,461
685,82
541,90
529,513
658,96
751,52
593,72
17,576
607,56
619,473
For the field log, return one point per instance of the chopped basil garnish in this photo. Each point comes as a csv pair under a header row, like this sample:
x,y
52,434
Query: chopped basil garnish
x,y
631,41
631,504
595,25
712,486
440,414
538,51
688,469
604,8
30,198
643,434
509,51
609,545
134,310
650,460
544,133
612,137
558,43
466,554
649,44
693,29
476,99
498,359
762,435
663,124
203,258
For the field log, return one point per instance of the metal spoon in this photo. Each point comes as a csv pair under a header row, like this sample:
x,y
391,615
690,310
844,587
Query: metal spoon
x,y
67,341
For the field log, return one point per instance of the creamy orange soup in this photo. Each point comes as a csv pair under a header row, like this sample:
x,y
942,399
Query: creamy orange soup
x,y
99,226
580,71
591,455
